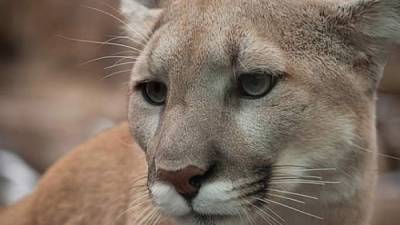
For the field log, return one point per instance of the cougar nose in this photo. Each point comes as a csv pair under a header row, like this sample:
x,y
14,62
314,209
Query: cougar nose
x,y
186,181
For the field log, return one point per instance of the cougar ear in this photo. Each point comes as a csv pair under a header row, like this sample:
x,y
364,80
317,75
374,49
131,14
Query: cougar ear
x,y
139,18
372,24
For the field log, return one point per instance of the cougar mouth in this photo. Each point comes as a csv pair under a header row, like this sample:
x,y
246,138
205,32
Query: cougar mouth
x,y
216,201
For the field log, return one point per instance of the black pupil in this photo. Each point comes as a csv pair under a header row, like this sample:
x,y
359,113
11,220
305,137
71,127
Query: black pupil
x,y
156,92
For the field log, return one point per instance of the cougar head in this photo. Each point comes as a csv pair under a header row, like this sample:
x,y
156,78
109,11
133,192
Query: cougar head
x,y
240,103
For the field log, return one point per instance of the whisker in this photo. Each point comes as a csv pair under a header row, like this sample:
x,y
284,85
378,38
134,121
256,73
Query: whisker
x,y
141,199
157,220
374,152
118,11
145,212
125,52
121,60
257,208
142,36
287,198
262,216
246,213
98,42
139,204
274,213
305,182
284,176
240,214
291,173
124,212
290,207
150,217
108,57
274,221
139,179
118,38
157,216
120,64
283,165
115,73
292,193
139,186
126,37
314,169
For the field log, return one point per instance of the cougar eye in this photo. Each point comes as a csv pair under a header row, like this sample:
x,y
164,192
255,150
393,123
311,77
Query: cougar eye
x,y
256,85
154,92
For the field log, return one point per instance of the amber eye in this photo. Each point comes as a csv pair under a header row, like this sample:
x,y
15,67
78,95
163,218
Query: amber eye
x,y
154,92
256,85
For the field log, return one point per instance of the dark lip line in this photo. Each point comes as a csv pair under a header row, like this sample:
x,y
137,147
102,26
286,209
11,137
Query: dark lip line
x,y
203,217
197,214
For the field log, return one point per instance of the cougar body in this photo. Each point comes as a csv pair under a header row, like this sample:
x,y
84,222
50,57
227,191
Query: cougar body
x,y
217,151
86,187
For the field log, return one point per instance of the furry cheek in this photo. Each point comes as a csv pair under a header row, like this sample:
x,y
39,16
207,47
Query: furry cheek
x,y
144,128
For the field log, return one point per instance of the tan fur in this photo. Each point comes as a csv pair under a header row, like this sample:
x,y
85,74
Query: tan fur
x,y
320,115
90,186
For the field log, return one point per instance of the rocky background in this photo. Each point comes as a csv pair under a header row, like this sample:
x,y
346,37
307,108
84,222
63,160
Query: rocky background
x,y
53,95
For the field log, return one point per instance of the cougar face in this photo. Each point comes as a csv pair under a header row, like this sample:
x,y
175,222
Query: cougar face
x,y
241,106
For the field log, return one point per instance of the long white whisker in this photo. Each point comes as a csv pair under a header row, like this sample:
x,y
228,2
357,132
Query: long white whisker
x,y
117,38
311,169
126,37
119,64
305,182
240,214
297,176
274,213
144,215
151,217
248,217
157,220
118,11
144,38
292,193
290,207
274,221
262,216
374,152
98,42
127,210
287,198
115,73
124,52
121,60
109,57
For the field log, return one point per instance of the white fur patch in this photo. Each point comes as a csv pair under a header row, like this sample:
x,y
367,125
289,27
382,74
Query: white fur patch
x,y
169,201
217,198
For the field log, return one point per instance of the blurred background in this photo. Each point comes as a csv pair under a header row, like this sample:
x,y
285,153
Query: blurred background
x,y
54,94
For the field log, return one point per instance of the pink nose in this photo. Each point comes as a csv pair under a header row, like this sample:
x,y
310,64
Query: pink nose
x,y
186,181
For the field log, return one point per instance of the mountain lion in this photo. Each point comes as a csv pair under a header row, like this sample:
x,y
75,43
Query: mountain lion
x,y
249,112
